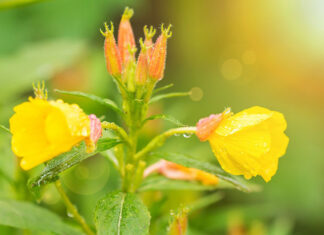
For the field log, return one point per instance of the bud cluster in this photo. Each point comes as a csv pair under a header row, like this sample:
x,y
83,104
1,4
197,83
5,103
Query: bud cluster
x,y
121,56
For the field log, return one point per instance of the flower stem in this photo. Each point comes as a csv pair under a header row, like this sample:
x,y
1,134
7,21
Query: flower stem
x,y
120,131
160,139
72,209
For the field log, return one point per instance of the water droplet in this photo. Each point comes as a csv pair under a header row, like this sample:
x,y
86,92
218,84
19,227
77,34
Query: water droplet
x,y
176,134
69,214
187,135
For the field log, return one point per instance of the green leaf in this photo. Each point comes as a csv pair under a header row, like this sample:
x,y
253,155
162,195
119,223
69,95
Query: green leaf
x,y
25,215
66,160
188,161
168,95
162,88
122,213
4,4
205,201
164,117
103,101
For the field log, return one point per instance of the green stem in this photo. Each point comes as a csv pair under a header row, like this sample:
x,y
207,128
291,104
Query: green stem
x,y
120,131
169,95
72,209
160,139
5,128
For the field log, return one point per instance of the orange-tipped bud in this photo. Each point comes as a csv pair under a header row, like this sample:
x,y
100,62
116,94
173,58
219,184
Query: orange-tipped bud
x,y
206,126
141,73
157,62
113,59
149,34
126,40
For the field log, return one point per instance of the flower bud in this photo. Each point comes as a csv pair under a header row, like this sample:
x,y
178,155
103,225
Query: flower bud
x,y
149,34
95,128
206,126
178,172
126,40
157,62
95,133
142,65
40,91
113,59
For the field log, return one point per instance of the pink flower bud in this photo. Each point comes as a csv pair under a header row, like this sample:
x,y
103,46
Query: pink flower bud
x,y
95,128
206,126
113,59
157,61
95,133
126,40
178,172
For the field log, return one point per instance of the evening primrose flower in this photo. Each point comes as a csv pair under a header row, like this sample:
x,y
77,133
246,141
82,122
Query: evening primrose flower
x,y
175,171
43,129
248,143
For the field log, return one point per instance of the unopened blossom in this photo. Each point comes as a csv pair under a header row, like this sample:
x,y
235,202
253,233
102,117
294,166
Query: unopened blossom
x,y
95,133
175,171
157,60
43,129
126,39
141,73
112,54
149,34
248,143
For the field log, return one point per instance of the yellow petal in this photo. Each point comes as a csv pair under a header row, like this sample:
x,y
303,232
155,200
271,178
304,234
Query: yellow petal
x,y
243,119
78,122
26,127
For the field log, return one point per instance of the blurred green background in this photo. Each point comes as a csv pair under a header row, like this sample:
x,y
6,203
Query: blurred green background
x,y
229,53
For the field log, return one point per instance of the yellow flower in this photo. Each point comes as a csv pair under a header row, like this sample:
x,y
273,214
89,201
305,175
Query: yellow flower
x,y
248,143
43,129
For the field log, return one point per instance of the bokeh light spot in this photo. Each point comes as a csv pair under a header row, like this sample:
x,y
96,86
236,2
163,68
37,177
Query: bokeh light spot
x,y
50,196
89,177
82,172
232,69
249,57
196,94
